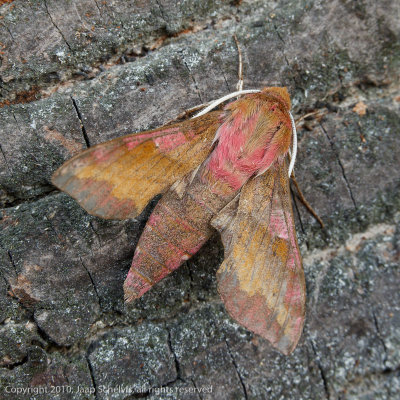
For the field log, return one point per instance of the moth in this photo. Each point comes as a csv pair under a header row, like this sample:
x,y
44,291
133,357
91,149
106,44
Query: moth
x,y
226,170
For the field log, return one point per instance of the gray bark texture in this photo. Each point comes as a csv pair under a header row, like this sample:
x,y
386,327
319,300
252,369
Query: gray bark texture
x,y
76,73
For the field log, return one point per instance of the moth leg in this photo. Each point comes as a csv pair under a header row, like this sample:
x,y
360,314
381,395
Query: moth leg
x,y
318,114
299,194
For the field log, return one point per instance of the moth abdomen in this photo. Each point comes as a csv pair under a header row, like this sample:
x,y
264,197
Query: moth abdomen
x,y
177,228
169,239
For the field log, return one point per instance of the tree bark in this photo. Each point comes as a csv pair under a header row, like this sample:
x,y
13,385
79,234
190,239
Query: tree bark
x,y
74,74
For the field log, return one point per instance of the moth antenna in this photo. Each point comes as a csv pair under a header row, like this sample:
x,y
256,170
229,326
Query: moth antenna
x,y
229,96
239,85
293,153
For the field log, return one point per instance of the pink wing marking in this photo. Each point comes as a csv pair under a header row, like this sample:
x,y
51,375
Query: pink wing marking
x,y
133,141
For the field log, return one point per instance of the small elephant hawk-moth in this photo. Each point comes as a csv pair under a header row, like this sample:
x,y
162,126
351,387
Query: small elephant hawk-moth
x,y
226,170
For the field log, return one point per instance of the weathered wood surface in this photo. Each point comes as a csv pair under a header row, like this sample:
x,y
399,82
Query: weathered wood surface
x,y
77,73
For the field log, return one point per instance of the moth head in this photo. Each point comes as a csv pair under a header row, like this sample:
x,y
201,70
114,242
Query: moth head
x,y
279,94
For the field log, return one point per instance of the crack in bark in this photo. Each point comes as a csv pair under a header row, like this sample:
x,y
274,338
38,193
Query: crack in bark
x,y
161,8
287,61
321,371
167,384
385,358
91,372
176,362
49,342
278,34
15,364
10,256
28,200
5,158
284,44
8,286
93,283
237,370
97,5
355,382
95,233
3,88
193,79
9,291
223,75
9,31
17,123
197,389
340,165
83,129
55,25
48,345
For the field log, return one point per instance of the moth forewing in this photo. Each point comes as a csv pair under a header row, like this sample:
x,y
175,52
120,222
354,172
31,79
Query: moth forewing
x,y
117,179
